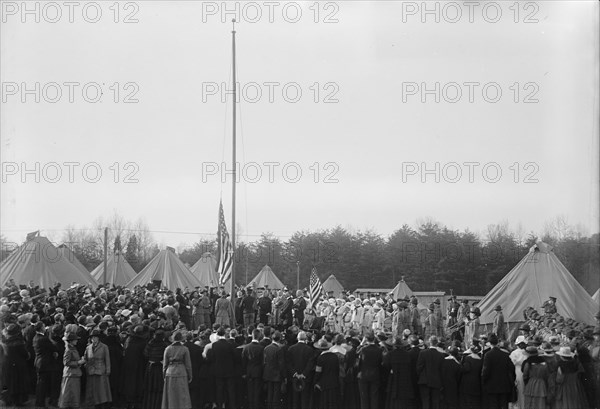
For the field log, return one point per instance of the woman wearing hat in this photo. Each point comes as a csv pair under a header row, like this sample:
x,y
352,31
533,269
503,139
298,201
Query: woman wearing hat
x,y
570,393
595,355
97,360
518,356
535,377
153,385
472,326
327,376
470,381
15,366
177,372
70,389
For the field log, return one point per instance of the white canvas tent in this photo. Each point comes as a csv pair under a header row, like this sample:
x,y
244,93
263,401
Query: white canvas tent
x,y
205,269
596,297
167,268
266,277
401,290
119,271
332,284
39,260
539,275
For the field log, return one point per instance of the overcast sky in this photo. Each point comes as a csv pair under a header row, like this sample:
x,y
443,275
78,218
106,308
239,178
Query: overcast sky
x,y
362,121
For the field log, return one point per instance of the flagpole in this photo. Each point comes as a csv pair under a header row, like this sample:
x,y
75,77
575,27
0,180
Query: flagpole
x,y
233,166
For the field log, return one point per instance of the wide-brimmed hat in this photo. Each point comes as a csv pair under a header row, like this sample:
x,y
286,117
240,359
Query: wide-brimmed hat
x,y
531,350
525,327
547,348
520,340
437,301
498,308
71,336
95,333
565,352
12,330
322,344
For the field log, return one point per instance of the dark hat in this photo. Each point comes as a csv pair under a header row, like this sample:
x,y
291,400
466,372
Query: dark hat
x,y
322,344
525,327
596,331
72,337
432,306
531,350
498,308
414,301
12,330
437,301
95,333
552,298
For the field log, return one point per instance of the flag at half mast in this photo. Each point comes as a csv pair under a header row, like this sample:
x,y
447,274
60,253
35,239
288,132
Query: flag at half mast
x,y
225,264
316,288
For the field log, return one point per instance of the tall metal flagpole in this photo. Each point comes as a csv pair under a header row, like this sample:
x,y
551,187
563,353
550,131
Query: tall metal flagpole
x,y
234,168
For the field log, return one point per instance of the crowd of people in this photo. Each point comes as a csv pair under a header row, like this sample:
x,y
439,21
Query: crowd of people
x,y
196,348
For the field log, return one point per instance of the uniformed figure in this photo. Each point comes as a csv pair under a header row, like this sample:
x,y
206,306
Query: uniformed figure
x,y
550,306
499,328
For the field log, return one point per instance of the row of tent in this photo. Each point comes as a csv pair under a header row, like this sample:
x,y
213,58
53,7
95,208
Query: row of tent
x,y
39,260
539,275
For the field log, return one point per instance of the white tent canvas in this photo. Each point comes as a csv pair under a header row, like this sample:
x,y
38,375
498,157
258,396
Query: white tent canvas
x,y
596,296
539,275
119,271
169,269
205,269
266,277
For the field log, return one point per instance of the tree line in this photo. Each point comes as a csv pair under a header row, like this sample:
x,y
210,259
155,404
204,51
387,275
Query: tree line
x,y
429,256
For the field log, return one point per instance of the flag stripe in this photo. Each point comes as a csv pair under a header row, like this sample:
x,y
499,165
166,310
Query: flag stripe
x,y
316,288
225,264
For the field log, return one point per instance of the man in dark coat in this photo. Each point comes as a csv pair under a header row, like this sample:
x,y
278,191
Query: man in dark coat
x,y
134,367
266,341
274,370
497,375
264,308
299,307
429,366
44,363
249,308
252,364
400,393
413,354
370,358
115,351
286,309
221,357
196,359
300,366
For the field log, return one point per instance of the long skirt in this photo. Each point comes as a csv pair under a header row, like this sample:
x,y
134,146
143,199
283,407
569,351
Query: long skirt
x,y
97,390
153,386
176,394
70,392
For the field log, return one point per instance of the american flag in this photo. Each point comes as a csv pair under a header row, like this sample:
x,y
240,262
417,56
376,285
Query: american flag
x,y
225,250
316,288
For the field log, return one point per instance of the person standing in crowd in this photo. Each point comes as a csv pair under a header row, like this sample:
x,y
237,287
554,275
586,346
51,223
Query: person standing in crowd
x,y
570,392
264,308
370,357
274,370
535,378
450,374
429,366
431,323
518,356
224,311
470,380
70,391
300,364
299,308
595,356
45,353
498,327
327,377
134,367
97,361
16,372
549,306
497,376
195,385
400,392
221,357
472,326
415,317
153,379
184,310
177,373
249,308
252,364
115,350
287,318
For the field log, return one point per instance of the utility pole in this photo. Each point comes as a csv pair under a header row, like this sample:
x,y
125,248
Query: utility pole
x,y
298,275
